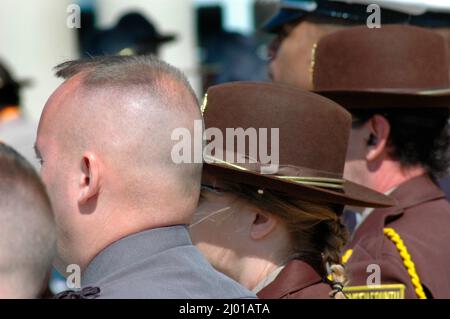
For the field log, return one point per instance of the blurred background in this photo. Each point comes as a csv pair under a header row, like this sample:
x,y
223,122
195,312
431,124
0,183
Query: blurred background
x,y
211,41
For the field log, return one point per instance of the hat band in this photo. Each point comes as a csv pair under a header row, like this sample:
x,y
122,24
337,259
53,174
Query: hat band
x,y
322,179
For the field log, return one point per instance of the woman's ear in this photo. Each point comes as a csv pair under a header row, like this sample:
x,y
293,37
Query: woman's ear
x,y
263,224
89,178
378,138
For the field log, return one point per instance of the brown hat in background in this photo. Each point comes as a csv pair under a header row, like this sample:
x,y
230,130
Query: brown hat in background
x,y
390,67
313,137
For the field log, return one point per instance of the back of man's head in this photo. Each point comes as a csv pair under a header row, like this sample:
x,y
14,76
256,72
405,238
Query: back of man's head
x,y
27,231
106,140
131,106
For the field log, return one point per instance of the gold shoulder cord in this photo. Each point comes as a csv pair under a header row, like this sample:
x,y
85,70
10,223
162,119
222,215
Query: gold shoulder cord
x,y
346,256
407,261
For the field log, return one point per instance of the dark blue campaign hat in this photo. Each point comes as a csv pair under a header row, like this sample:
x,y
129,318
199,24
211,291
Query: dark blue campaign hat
x,y
294,10
10,87
133,34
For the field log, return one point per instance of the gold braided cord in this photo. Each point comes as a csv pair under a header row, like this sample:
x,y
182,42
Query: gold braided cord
x,y
212,159
325,182
315,181
407,261
346,256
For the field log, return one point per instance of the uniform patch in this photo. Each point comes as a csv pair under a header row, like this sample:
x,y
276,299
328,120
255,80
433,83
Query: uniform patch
x,y
395,291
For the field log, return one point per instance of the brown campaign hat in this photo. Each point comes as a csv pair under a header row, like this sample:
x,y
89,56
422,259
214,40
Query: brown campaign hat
x,y
312,144
390,67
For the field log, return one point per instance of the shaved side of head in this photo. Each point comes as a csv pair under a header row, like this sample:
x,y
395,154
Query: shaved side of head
x,y
126,108
27,230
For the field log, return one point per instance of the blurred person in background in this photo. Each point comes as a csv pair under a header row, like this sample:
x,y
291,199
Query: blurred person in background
x,y
300,24
221,49
27,228
15,128
278,234
394,80
133,34
122,204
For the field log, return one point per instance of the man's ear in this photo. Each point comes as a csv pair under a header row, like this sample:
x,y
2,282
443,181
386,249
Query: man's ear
x,y
378,139
90,178
263,224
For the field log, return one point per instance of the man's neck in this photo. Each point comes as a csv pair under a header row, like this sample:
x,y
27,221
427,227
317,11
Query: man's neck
x,y
116,228
14,288
390,175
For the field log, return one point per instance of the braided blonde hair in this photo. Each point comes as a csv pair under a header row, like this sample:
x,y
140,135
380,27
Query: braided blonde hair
x,y
316,232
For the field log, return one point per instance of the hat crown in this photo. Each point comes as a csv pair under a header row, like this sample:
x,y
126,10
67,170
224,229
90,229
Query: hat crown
x,y
135,22
391,57
313,130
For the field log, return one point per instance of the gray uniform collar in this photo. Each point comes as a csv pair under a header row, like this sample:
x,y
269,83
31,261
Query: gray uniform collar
x,y
132,249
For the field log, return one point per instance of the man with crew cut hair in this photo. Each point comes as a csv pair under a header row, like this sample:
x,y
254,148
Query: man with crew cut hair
x,y
27,228
122,204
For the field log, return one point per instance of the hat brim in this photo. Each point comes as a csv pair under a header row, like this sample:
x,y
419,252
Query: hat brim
x,y
21,83
389,98
351,194
161,38
24,83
